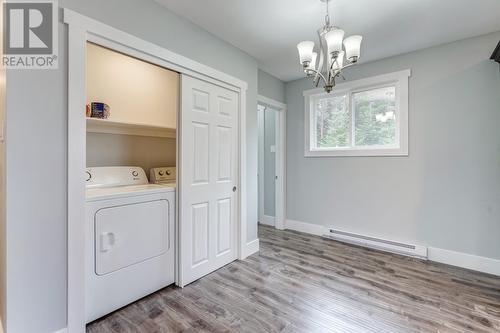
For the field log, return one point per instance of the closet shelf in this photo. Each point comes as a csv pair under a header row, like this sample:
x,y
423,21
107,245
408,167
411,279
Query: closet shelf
x,y
96,125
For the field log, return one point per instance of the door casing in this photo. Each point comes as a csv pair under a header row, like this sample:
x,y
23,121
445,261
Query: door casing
x,y
280,165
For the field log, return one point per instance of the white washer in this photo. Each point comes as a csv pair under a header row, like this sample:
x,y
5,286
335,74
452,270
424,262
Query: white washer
x,y
129,247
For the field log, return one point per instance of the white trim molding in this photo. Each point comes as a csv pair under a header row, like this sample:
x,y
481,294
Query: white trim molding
x,y
268,220
261,109
62,330
250,248
464,260
308,228
399,80
83,29
271,102
448,257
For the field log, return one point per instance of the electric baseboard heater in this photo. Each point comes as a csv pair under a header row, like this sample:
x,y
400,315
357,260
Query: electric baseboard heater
x,y
496,54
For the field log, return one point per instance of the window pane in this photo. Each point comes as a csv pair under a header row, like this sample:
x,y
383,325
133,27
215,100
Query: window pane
x,y
375,117
332,119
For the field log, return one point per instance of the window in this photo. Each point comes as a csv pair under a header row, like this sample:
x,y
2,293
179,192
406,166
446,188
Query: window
x,y
367,117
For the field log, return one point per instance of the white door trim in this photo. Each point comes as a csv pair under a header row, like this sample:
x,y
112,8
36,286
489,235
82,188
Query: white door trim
x,y
261,109
280,201
83,29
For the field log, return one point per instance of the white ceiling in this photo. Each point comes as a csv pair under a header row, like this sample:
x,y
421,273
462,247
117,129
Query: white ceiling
x,y
269,30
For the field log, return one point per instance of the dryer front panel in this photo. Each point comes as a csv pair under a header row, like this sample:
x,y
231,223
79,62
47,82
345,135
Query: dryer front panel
x,y
128,234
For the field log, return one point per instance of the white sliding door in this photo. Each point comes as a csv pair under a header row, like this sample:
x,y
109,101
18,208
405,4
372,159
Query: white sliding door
x,y
208,178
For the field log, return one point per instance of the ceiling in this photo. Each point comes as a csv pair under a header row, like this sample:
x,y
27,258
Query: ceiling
x,y
269,30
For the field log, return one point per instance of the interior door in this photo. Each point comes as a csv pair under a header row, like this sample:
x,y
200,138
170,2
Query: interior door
x,y
208,178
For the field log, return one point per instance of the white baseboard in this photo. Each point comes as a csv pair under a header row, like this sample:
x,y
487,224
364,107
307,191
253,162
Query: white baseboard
x,y
250,248
453,258
308,228
62,330
464,260
268,220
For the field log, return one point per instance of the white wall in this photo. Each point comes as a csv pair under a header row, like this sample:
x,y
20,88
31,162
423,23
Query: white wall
x,y
271,87
146,152
136,91
37,154
446,194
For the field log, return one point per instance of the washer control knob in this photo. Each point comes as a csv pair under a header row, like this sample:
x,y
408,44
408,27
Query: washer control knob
x,y
169,172
135,173
160,172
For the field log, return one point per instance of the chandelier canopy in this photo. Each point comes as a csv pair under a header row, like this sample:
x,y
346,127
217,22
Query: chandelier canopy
x,y
335,53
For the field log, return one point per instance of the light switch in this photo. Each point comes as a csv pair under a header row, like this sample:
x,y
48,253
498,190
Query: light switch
x,y
272,149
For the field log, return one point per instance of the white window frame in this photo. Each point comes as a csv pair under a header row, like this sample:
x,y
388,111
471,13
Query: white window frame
x,y
398,79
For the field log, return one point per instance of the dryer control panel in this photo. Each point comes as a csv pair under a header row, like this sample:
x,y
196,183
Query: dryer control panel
x,y
162,175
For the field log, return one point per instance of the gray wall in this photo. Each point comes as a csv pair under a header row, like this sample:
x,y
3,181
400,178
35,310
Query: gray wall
x,y
269,162
146,152
446,194
37,155
271,87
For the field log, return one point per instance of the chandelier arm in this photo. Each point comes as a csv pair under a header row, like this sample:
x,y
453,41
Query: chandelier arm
x,y
348,65
318,74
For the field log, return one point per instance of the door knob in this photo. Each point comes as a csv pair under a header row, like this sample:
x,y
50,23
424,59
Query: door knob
x,y
234,188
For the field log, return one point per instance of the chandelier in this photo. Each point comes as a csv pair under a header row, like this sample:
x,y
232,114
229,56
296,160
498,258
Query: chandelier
x,y
333,58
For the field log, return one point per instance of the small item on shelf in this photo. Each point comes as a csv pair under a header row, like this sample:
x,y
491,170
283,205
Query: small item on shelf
x,y
87,111
99,110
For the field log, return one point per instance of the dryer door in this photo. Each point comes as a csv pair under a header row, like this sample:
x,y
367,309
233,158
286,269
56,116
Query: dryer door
x,y
128,234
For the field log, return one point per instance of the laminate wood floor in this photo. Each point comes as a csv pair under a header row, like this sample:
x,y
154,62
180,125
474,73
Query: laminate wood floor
x,y
303,283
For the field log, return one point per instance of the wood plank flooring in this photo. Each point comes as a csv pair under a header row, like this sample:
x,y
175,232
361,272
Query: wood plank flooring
x,y
303,283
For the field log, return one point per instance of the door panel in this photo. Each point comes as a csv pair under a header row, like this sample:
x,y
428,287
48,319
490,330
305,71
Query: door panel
x,y
223,226
200,233
224,143
201,143
208,173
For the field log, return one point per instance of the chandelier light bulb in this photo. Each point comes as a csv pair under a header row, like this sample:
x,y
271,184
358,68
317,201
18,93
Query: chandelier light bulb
x,y
305,51
352,46
334,40
312,64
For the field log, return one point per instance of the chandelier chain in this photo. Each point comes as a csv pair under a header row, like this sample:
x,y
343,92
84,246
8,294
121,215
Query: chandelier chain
x,y
327,17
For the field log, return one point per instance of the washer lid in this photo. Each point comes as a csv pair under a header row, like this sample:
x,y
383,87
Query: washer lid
x,y
101,193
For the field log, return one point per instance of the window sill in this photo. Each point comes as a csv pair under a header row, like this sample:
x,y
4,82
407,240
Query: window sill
x,y
357,152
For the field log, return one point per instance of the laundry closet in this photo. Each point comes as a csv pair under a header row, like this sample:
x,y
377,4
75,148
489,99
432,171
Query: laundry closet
x,y
162,178
131,142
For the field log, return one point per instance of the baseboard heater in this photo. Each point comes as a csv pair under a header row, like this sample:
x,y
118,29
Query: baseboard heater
x,y
378,243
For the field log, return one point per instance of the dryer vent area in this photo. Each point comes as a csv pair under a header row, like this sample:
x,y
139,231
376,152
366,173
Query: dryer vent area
x,y
131,111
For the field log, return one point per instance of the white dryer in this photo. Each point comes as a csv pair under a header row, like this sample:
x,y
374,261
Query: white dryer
x,y
129,247
164,176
